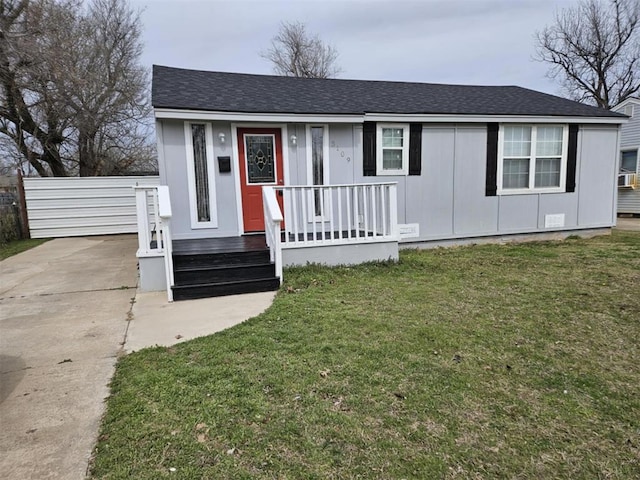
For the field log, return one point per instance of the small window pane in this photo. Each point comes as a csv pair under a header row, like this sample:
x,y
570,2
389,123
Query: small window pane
x,y
392,137
549,142
201,173
260,159
317,165
391,159
547,172
629,161
515,173
517,141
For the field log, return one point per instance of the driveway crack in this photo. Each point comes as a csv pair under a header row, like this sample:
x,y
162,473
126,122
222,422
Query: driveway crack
x,y
123,287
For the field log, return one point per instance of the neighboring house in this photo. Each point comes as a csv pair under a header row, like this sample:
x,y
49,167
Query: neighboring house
x,y
629,177
358,167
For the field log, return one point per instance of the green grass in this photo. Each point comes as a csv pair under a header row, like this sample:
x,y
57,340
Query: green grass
x,y
513,361
17,246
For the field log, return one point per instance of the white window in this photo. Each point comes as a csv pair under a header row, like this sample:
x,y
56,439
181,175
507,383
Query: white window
x,y
201,175
392,156
532,158
318,168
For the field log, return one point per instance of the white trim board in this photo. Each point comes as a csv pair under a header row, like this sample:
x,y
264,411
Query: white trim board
x,y
201,115
235,165
377,117
181,114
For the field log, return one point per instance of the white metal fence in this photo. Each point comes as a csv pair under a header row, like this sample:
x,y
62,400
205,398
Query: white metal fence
x,y
78,206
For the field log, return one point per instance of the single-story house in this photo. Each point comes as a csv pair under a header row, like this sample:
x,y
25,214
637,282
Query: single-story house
x,y
629,174
295,170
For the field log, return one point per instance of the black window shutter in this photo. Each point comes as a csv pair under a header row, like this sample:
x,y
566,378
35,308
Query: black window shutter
x,y
415,149
491,185
369,149
571,158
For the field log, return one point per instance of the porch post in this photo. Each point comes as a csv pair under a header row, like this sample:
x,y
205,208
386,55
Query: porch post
x,y
142,215
393,211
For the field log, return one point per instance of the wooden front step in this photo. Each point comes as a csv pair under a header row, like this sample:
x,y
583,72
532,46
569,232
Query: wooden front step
x,y
217,267
188,292
222,273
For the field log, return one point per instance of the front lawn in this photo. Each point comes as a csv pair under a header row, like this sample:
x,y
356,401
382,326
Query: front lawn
x,y
512,361
17,246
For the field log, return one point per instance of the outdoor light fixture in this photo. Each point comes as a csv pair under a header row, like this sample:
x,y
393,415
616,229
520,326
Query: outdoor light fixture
x,y
222,137
294,139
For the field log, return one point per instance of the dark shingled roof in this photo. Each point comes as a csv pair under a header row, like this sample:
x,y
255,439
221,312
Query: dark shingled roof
x,y
239,92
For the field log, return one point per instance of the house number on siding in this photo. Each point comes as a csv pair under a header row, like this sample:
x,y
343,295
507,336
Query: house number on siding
x,y
333,144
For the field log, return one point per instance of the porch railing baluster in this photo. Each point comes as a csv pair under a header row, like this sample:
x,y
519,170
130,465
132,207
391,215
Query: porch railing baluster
x,y
339,193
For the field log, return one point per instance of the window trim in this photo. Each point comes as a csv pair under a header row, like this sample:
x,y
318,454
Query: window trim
x,y
405,149
275,160
191,176
532,189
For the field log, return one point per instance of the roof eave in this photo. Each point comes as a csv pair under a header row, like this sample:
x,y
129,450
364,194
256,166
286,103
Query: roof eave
x,y
211,115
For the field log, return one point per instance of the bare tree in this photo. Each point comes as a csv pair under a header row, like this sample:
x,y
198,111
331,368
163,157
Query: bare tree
x,y
109,87
74,97
30,112
296,53
594,50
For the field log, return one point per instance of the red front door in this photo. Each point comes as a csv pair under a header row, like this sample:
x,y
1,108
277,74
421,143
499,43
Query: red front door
x,y
260,157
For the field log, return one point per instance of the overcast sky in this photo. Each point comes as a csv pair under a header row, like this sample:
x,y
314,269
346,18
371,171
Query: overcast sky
x,y
487,42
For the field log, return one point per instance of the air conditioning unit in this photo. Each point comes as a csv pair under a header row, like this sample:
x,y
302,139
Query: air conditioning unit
x,y
627,180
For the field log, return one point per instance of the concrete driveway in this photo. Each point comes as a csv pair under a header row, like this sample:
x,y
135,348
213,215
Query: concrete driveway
x,y
64,308
628,223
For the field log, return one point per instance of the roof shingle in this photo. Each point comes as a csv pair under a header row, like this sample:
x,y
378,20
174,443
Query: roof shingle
x,y
238,92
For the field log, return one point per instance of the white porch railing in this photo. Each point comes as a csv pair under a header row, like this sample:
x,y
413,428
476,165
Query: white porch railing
x,y
272,222
154,228
339,214
329,215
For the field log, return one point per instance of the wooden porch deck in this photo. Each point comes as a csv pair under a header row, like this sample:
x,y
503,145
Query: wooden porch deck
x,y
245,243
253,242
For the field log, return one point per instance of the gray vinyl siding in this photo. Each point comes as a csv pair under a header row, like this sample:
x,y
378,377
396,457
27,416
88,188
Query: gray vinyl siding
x,y
628,198
174,174
447,200
630,131
597,176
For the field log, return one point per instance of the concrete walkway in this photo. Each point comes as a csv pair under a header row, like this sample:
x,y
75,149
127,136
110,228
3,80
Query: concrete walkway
x,y
67,308
156,322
